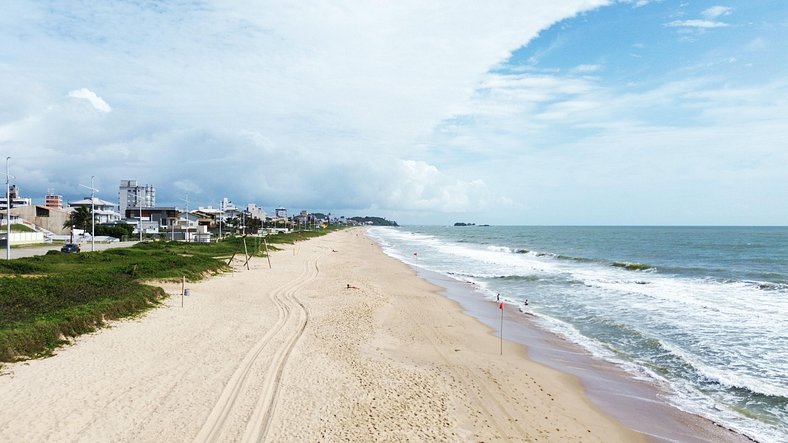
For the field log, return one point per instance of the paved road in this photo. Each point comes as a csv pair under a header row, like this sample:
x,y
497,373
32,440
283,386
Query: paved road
x,y
41,250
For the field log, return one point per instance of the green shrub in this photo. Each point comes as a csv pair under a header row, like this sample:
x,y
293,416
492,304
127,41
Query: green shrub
x,y
45,300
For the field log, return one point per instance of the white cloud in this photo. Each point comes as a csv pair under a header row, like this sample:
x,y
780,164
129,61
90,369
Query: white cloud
x,y
695,23
586,69
421,186
188,187
717,11
637,3
92,98
288,99
710,15
353,105
655,151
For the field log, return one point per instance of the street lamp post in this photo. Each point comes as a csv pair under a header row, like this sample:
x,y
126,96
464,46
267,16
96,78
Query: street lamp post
x,y
8,206
187,217
92,215
93,191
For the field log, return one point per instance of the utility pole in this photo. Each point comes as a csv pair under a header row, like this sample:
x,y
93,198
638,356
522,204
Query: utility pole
x,y
139,203
8,207
92,215
92,212
187,217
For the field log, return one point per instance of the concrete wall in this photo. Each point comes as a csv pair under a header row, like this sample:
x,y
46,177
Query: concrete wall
x,y
51,219
21,238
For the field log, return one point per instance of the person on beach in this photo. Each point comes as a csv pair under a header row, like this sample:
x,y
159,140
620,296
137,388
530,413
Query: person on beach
x,y
498,297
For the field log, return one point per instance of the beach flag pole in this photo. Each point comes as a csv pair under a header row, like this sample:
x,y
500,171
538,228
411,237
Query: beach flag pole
x,y
500,306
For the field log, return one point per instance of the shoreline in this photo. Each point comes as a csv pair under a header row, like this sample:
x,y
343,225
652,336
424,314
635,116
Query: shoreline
x,y
635,403
337,341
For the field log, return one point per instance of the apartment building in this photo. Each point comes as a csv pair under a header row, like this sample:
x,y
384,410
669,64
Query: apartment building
x,y
132,195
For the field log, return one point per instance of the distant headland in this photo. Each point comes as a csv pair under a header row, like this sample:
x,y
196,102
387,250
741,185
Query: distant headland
x,y
374,221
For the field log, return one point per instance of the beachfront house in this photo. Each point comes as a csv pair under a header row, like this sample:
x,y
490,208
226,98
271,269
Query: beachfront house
x,y
210,216
154,220
187,226
104,210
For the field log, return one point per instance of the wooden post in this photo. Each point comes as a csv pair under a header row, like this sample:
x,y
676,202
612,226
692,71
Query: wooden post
x,y
246,254
183,288
233,256
267,255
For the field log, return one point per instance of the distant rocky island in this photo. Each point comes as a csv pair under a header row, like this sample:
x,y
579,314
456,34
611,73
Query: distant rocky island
x,y
468,224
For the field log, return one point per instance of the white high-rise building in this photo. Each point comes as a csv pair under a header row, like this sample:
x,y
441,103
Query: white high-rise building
x,y
131,195
227,206
255,211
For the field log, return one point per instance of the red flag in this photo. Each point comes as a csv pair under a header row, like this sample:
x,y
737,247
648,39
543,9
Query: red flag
x,y
501,307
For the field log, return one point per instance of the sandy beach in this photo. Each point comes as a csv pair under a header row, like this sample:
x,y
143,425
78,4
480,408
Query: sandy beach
x,y
336,342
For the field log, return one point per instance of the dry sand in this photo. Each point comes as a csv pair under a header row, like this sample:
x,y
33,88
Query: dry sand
x,y
293,354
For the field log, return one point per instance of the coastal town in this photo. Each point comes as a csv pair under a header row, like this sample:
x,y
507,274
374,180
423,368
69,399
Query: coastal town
x,y
135,215
403,221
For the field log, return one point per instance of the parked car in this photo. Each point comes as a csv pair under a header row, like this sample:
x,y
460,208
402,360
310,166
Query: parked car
x,y
70,247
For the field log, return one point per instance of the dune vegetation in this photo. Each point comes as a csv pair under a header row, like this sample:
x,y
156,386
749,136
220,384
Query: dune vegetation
x,y
48,299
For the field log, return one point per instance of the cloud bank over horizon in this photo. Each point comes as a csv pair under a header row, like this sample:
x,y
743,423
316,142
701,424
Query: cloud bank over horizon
x,y
512,112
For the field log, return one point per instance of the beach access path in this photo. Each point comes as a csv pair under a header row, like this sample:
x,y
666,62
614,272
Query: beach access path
x,y
336,342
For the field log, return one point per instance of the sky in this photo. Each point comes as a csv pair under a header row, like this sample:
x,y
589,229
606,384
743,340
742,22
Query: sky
x,y
556,112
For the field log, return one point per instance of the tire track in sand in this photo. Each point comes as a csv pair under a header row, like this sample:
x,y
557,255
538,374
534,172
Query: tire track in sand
x,y
257,428
290,311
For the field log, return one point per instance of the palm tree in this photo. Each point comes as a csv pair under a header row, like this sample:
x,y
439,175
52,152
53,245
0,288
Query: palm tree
x,y
79,217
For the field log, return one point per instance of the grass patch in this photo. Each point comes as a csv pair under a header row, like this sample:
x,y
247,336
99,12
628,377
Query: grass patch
x,y
19,228
46,300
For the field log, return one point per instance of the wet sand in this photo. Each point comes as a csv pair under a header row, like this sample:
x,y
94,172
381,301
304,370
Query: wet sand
x,y
637,404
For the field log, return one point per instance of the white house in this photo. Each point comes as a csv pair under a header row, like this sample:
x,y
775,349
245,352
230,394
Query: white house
x,y
188,223
104,210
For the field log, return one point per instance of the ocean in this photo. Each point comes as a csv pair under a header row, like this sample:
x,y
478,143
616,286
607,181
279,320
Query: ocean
x,y
700,312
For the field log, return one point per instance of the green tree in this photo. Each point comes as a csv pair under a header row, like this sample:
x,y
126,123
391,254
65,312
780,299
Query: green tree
x,y
79,217
121,230
233,223
253,225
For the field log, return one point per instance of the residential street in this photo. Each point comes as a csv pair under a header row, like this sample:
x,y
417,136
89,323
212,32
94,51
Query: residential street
x,y
41,250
